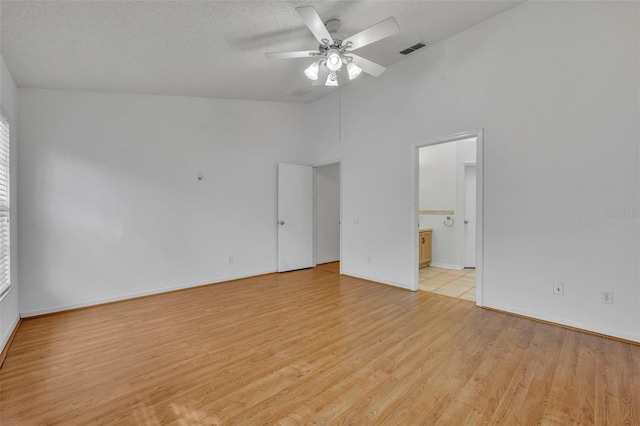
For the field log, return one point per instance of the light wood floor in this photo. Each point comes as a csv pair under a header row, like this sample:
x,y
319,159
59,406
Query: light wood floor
x,y
448,282
311,347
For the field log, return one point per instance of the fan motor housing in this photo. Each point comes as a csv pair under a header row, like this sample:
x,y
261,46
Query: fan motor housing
x,y
333,25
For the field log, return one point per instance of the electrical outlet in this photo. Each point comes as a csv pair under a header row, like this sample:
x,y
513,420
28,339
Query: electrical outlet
x,y
558,289
606,297
230,259
369,259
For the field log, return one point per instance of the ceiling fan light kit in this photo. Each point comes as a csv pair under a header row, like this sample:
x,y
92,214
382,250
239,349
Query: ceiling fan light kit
x,y
334,54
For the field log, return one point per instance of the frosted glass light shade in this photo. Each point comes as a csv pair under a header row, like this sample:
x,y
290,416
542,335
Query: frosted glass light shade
x,y
334,62
332,80
353,70
312,71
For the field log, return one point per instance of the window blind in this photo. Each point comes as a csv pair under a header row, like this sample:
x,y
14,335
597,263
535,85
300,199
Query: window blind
x,y
5,281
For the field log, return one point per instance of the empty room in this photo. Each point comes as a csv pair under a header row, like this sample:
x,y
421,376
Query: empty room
x,y
323,212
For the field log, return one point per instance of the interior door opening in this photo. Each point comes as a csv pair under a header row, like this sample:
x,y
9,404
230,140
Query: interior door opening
x,y
327,213
448,206
309,212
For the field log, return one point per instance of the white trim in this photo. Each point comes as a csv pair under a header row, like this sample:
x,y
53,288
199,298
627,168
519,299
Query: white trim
x,y
5,339
415,217
479,217
341,219
314,185
415,213
322,262
127,296
564,321
446,266
376,280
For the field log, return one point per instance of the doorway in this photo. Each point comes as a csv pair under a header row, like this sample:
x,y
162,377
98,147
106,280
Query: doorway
x,y
327,213
309,212
448,206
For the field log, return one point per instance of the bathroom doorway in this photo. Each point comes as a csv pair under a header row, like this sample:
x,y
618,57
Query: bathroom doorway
x,y
448,200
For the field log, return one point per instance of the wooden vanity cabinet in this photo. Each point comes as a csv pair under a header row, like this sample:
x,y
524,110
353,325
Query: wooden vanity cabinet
x,y
424,242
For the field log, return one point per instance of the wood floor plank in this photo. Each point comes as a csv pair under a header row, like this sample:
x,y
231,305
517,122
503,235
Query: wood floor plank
x,y
532,377
574,381
617,395
311,347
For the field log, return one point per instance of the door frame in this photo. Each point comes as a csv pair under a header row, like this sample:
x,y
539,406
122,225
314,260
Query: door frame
x,y
315,210
415,214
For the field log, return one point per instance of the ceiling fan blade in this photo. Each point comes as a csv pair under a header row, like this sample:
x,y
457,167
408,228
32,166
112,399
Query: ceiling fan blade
x,y
323,73
315,24
376,32
367,66
291,55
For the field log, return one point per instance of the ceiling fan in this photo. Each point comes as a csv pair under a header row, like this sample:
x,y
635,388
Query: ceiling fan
x,y
333,54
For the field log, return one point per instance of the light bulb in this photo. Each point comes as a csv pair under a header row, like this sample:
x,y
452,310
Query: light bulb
x,y
312,71
334,62
332,79
353,70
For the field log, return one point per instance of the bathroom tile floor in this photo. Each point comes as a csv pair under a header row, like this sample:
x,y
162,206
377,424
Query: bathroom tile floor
x,y
460,284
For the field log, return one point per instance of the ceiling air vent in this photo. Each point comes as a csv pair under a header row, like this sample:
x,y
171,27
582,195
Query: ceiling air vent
x,y
412,48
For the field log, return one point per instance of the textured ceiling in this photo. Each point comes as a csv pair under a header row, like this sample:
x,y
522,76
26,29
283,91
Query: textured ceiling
x,y
204,48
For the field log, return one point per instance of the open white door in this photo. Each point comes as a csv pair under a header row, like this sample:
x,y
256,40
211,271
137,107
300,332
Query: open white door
x,y
470,216
295,217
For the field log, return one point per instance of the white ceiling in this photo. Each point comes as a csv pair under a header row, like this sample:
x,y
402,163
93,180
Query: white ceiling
x,y
205,48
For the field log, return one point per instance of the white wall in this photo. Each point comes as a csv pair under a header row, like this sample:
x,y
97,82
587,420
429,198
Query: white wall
x,y
110,206
555,86
438,177
9,312
441,187
110,203
327,220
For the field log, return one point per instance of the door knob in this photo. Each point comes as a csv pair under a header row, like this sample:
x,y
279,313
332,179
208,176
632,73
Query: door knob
x,y
281,222
466,221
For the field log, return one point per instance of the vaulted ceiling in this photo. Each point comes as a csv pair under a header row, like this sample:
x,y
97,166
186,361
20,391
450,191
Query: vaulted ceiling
x,y
205,48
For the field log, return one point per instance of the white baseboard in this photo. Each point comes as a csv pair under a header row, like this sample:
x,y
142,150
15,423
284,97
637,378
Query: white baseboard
x,y
563,321
320,262
94,302
5,338
446,265
375,280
